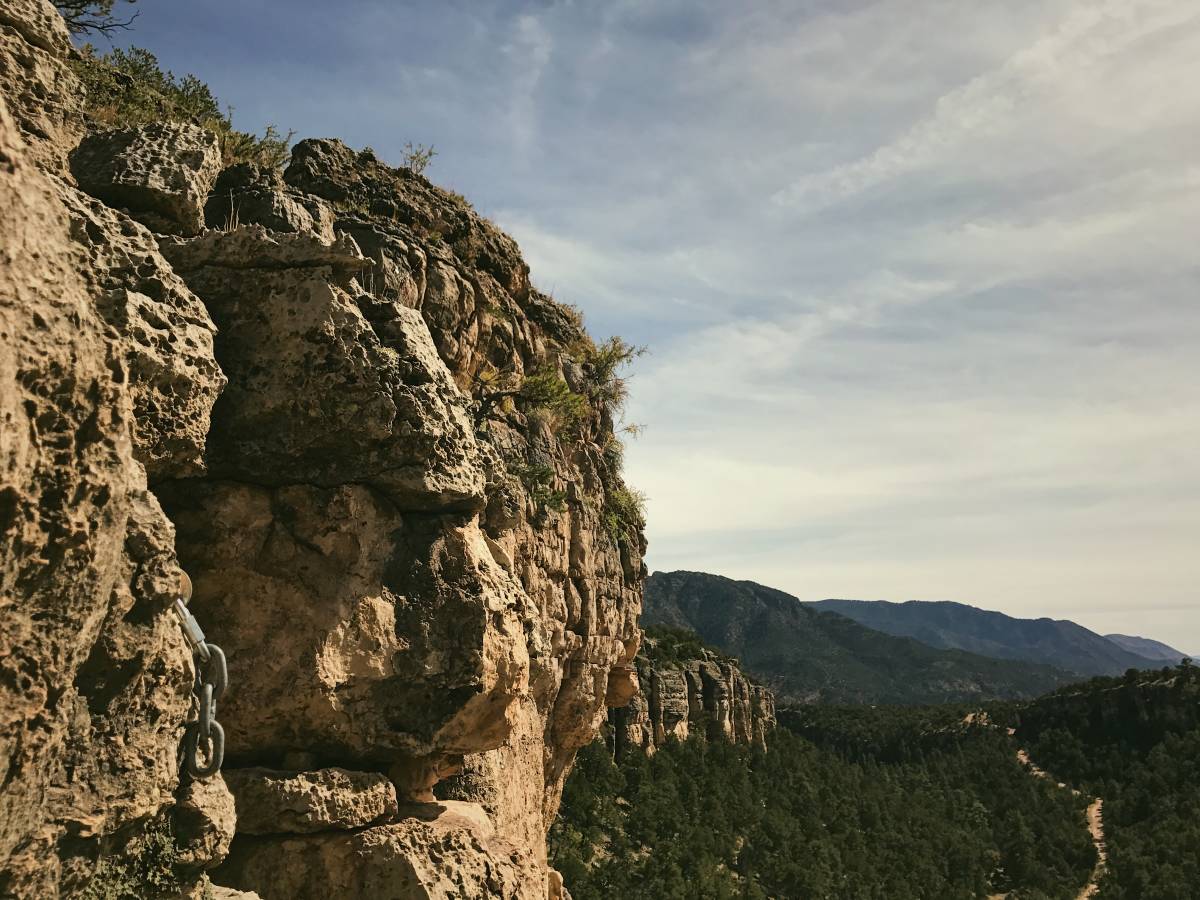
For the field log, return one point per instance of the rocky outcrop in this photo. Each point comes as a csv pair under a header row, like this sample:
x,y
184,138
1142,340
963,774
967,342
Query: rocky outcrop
x,y
707,695
320,391
160,173
163,330
299,408
392,597
41,91
249,194
95,681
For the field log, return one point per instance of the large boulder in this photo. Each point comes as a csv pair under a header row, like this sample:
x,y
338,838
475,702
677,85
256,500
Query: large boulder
x,y
359,181
160,173
353,631
164,331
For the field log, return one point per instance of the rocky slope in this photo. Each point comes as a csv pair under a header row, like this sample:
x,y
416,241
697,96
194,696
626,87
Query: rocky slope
x,y
807,656
697,691
414,573
956,626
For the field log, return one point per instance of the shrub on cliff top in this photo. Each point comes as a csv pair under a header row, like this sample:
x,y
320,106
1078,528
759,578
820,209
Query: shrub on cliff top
x,y
607,388
128,87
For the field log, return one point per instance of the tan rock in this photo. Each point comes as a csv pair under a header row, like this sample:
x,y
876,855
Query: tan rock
x,y
95,680
669,706
165,333
43,94
252,246
224,893
203,822
274,802
247,194
159,173
707,695
349,626
391,594
324,388
442,851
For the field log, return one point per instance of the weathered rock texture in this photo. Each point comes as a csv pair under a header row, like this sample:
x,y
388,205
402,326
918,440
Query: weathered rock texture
x,y
159,173
309,394
272,802
392,596
707,695
440,851
163,329
94,678
36,81
248,194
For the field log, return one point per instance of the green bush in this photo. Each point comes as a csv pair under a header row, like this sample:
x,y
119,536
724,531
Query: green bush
x,y
606,388
625,515
146,868
671,646
417,158
546,394
538,479
125,88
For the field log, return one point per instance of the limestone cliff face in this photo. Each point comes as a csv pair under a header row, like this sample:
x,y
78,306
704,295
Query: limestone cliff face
x,y
100,350
301,413
707,695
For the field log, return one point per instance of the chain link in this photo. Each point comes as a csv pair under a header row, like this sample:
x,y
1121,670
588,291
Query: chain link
x,y
203,739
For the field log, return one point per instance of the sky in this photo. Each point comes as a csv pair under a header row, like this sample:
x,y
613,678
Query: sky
x,y
918,279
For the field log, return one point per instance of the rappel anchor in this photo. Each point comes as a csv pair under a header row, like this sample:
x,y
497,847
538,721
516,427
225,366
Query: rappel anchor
x,y
204,737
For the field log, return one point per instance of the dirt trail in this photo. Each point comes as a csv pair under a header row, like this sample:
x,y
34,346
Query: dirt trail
x,y
1095,812
1095,821
1095,817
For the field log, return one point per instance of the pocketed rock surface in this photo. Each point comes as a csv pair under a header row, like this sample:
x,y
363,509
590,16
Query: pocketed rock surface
x,y
292,407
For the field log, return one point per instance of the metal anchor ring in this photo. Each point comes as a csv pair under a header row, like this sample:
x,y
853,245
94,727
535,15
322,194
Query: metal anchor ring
x,y
215,750
216,671
207,711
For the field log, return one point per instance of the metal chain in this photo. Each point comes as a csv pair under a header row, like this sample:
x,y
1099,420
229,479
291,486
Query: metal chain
x,y
204,738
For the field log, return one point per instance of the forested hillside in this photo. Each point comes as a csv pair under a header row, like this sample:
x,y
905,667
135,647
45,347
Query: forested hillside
x,y
957,626
1135,742
810,656
884,803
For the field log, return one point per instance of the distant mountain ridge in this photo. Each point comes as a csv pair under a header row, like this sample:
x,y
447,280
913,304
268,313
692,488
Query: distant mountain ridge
x,y
1054,642
809,655
1151,649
